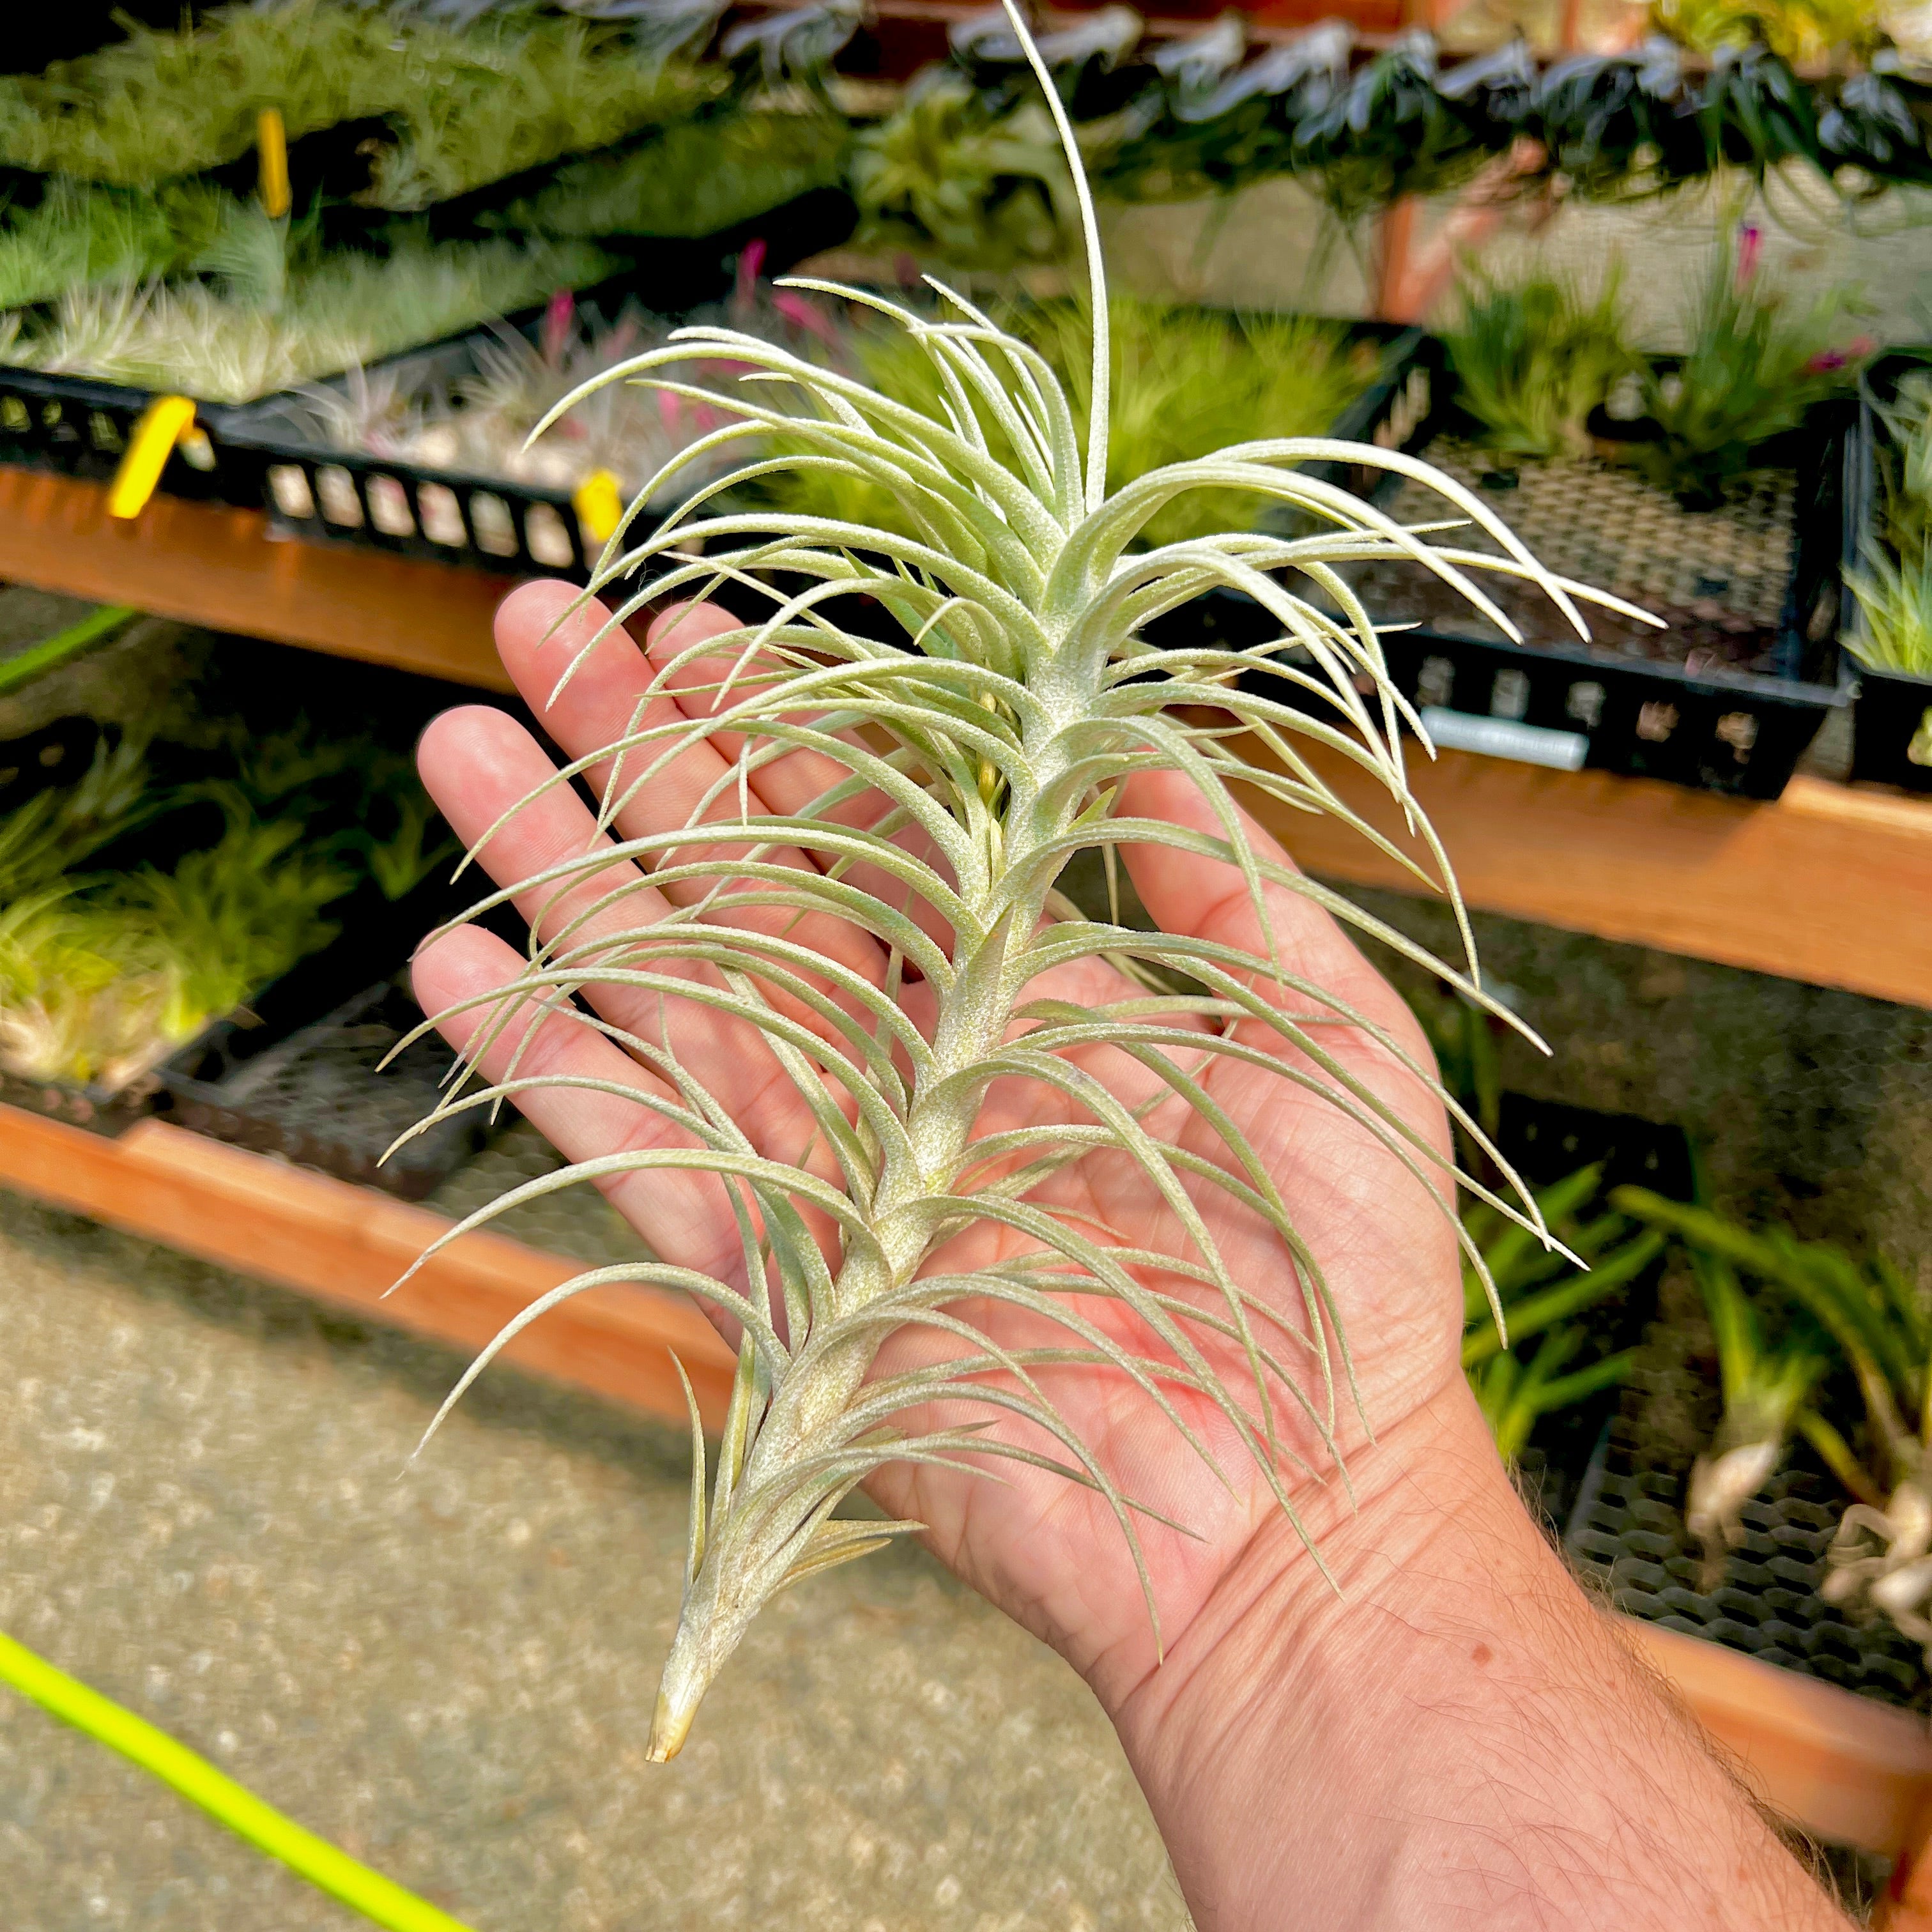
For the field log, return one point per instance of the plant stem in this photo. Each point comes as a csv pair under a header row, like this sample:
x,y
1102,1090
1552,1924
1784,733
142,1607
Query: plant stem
x,y
380,1900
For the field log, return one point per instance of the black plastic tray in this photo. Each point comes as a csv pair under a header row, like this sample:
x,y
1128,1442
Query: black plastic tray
x,y
322,1096
81,427
325,495
55,755
1573,705
1891,710
1546,1141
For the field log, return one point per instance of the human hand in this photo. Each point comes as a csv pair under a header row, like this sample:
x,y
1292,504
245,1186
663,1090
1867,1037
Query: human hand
x,y
1342,1756
1048,1552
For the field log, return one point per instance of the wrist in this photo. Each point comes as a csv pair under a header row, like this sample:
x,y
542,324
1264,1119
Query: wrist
x,y
1447,1735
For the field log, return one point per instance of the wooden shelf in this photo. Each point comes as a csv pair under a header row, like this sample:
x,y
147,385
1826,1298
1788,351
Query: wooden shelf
x,y
1829,884
203,563
350,1245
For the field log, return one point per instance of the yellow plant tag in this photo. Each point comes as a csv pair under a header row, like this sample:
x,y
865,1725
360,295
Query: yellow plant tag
x,y
163,423
599,504
272,179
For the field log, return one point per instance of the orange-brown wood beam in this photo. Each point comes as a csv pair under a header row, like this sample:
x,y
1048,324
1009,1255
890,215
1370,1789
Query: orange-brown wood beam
x,y
205,564
1830,883
1844,1768
350,1245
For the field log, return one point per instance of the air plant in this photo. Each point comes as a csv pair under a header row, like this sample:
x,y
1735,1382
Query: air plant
x,y
1882,1555
1767,1381
58,830
1751,371
947,175
697,177
236,342
467,108
1532,359
1892,581
1541,1290
1183,383
996,737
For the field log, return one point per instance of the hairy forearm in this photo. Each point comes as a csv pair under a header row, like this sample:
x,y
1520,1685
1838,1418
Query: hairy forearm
x,y
1459,1740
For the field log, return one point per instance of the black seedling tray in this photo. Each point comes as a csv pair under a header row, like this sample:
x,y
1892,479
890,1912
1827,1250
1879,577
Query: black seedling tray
x,y
1545,1141
1627,1529
1734,716
1891,710
57,753
82,427
321,1096
322,494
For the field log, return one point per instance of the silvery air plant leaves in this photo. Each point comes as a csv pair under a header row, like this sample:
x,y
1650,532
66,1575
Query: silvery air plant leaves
x,y
973,759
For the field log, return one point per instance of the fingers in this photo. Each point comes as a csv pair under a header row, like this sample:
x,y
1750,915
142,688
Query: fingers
x,y
605,701
685,1218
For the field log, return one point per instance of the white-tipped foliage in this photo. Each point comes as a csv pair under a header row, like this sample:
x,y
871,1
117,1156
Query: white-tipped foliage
x,y
998,732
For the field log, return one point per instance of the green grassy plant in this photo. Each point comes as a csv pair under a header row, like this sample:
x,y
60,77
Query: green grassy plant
x,y
1769,1380
1752,369
1811,33
1532,359
273,321
1892,581
1541,1292
523,87
997,732
697,177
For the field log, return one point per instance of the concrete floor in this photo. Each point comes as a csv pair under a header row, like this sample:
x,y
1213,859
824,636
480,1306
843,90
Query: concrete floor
x,y
450,1672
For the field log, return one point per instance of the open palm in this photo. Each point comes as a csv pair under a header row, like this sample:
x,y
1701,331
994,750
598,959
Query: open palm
x,y
1049,1552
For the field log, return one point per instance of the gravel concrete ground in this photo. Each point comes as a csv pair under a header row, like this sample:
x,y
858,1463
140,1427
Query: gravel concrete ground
x,y
450,1672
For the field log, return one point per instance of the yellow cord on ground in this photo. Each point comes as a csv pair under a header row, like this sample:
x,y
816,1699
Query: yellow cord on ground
x,y
379,1900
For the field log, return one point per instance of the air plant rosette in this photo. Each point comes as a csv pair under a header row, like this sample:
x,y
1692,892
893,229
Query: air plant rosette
x,y
1796,1530
1887,631
1724,676
964,768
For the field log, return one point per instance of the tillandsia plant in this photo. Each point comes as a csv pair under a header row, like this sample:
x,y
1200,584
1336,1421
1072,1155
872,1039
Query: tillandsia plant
x,y
1533,358
1881,1555
1542,1291
1184,382
1752,370
862,1024
1767,1381
1892,581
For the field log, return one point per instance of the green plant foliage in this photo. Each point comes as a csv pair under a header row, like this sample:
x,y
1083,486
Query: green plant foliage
x,y
104,972
992,735
1185,382
1533,359
522,87
1808,33
1541,1292
1892,581
1752,370
698,178
1877,1323
1769,1371
273,318
950,176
